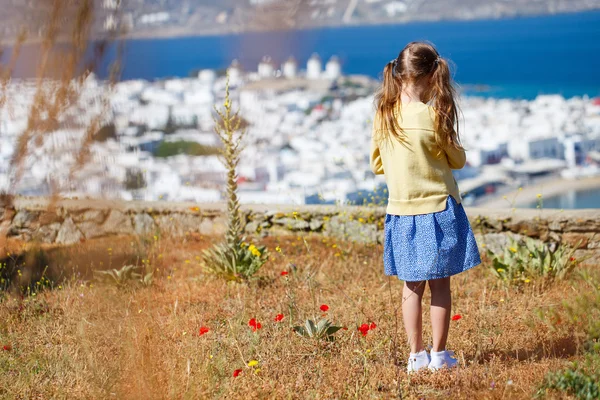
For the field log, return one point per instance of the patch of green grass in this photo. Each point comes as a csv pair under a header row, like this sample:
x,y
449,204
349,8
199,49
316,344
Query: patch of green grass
x,y
168,149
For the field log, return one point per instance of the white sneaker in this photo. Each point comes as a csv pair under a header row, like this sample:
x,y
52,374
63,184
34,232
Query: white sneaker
x,y
442,359
418,361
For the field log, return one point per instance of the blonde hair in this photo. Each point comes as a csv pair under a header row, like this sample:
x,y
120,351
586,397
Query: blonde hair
x,y
416,62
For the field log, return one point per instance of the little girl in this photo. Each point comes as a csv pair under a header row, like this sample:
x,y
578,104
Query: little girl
x,y
427,234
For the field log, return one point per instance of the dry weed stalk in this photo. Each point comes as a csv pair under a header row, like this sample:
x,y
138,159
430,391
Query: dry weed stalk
x,y
68,54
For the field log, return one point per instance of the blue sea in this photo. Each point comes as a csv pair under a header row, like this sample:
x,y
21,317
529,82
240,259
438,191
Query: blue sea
x,y
571,199
514,58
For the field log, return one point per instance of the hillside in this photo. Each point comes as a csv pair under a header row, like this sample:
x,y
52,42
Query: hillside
x,y
153,18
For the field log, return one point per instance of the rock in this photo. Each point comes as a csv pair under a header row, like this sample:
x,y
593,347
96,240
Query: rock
x,y
94,216
25,219
213,226
116,223
495,242
582,225
178,224
556,225
341,227
144,224
577,240
293,224
47,233
380,236
588,258
6,222
493,223
68,233
360,232
252,227
316,224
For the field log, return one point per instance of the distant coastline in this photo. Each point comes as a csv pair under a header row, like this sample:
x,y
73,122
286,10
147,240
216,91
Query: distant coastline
x,y
548,188
227,30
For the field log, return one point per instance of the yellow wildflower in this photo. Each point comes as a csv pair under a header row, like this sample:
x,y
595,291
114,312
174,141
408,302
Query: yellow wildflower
x,y
513,249
253,363
527,280
539,195
278,249
255,252
501,270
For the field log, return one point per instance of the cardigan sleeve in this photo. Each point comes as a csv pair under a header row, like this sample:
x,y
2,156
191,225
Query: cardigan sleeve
x,y
375,159
456,157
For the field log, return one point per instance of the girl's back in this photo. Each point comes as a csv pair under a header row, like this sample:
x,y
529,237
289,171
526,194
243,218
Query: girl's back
x,y
417,170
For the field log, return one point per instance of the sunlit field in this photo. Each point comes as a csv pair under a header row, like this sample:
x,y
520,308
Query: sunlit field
x,y
184,333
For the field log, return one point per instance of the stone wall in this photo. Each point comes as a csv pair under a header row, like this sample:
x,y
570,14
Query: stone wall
x,y
71,221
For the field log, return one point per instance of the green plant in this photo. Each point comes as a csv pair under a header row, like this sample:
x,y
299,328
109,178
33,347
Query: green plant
x,y
527,259
123,275
168,149
322,330
235,263
580,381
232,259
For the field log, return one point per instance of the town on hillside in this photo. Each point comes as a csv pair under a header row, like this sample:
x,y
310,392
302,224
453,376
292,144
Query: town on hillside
x,y
308,134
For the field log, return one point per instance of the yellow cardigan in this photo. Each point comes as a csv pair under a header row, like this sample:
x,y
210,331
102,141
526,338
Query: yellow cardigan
x,y
418,175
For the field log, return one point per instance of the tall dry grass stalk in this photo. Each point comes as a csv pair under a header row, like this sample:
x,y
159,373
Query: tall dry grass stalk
x,y
68,53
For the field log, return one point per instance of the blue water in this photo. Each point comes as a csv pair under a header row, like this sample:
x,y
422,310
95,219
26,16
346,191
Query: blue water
x,y
571,200
515,58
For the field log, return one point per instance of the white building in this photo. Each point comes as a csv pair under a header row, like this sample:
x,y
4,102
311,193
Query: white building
x,y
266,68
290,68
236,73
314,67
333,69
207,76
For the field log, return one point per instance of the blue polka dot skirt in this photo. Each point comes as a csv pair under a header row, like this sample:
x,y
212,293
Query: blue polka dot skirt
x,y
429,246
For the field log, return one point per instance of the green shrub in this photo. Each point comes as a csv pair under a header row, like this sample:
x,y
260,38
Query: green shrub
x,y
125,275
322,330
235,263
580,381
168,149
525,260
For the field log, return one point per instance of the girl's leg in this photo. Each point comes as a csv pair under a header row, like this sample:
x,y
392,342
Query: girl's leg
x,y
412,295
441,303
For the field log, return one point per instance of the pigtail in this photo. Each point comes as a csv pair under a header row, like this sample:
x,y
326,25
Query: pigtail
x,y
443,96
387,102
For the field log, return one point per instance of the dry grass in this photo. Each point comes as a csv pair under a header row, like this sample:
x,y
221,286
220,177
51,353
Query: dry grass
x,y
86,340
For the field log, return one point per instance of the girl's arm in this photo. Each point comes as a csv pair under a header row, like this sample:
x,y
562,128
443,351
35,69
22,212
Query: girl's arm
x,y
376,163
456,157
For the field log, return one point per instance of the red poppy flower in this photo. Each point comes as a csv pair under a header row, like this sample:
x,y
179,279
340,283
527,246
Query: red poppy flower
x,y
254,324
324,308
372,326
203,330
236,373
278,317
7,347
573,259
284,273
364,329
456,317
